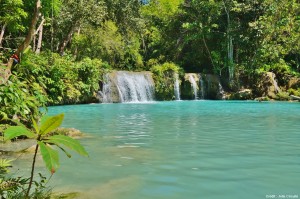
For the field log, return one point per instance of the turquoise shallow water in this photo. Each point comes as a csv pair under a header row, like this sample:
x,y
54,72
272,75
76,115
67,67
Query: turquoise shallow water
x,y
184,149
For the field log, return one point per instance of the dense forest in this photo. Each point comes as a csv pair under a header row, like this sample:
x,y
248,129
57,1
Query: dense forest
x,y
65,45
223,37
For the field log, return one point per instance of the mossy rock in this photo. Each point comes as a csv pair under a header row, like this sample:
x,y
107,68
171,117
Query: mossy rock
x,y
71,132
245,94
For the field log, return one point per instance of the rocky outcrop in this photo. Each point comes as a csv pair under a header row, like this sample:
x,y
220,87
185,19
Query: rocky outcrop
x,y
201,86
244,94
267,86
190,87
212,87
293,82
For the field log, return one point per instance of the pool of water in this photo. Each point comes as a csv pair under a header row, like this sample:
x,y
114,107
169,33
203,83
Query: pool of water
x,y
183,149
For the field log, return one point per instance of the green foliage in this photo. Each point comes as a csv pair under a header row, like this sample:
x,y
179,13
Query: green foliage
x,y
278,30
15,187
164,77
44,141
282,96
295,92
108,44
4,165
20,99
63,80
11,14
41,134
12,187
16,131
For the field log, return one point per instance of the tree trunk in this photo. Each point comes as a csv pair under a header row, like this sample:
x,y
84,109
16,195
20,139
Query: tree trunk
x,y
40,29
34,42
2,34
208,51
66,40
76,49
31,31
230,63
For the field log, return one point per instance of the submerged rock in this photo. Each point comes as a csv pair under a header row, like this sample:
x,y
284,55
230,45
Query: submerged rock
x,y
16,146
65,195
71,132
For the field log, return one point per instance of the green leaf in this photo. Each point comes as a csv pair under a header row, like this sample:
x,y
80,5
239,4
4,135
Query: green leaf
x,y
15,131
35,126
50,157
66,152
67,142
51,123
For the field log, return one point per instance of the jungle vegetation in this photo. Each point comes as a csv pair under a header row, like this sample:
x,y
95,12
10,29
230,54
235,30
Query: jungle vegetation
x,y
65,45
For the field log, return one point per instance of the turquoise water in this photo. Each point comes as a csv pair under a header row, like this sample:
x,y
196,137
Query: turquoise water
x,y
184,149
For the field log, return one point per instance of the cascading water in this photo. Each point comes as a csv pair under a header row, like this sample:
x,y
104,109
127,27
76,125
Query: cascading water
x,y
123,86
221,91
176,87
105,94
272,76
194,85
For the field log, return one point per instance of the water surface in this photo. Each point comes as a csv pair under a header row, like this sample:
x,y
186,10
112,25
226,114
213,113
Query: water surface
x,y
183,149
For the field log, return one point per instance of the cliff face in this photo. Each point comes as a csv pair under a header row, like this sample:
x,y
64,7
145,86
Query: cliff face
x,y
201,86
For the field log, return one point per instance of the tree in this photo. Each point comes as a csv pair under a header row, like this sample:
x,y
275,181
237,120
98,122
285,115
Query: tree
x,y
73,15
31,29
11,15
279,33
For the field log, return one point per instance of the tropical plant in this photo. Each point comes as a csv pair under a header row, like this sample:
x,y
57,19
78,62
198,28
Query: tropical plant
x,y
63,80
42,134
19,99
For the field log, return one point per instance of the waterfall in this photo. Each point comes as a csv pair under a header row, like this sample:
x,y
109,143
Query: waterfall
x,y
194,85
105,94
123,86
272,76
221,92
176,87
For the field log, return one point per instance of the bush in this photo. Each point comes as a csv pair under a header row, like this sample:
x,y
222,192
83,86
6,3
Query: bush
x,y
63,80
20,99
164,78
295,92
282,96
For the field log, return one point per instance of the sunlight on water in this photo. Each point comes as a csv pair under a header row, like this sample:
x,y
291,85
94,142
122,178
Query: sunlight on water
x,y
183,149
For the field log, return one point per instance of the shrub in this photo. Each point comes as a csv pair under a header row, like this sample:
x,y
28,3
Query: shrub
x,y
63,80
20,99
164,78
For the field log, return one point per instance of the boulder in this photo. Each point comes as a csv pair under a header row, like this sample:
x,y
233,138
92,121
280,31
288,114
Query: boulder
x,y
267,86
189,88
294,82
244,94
206,86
